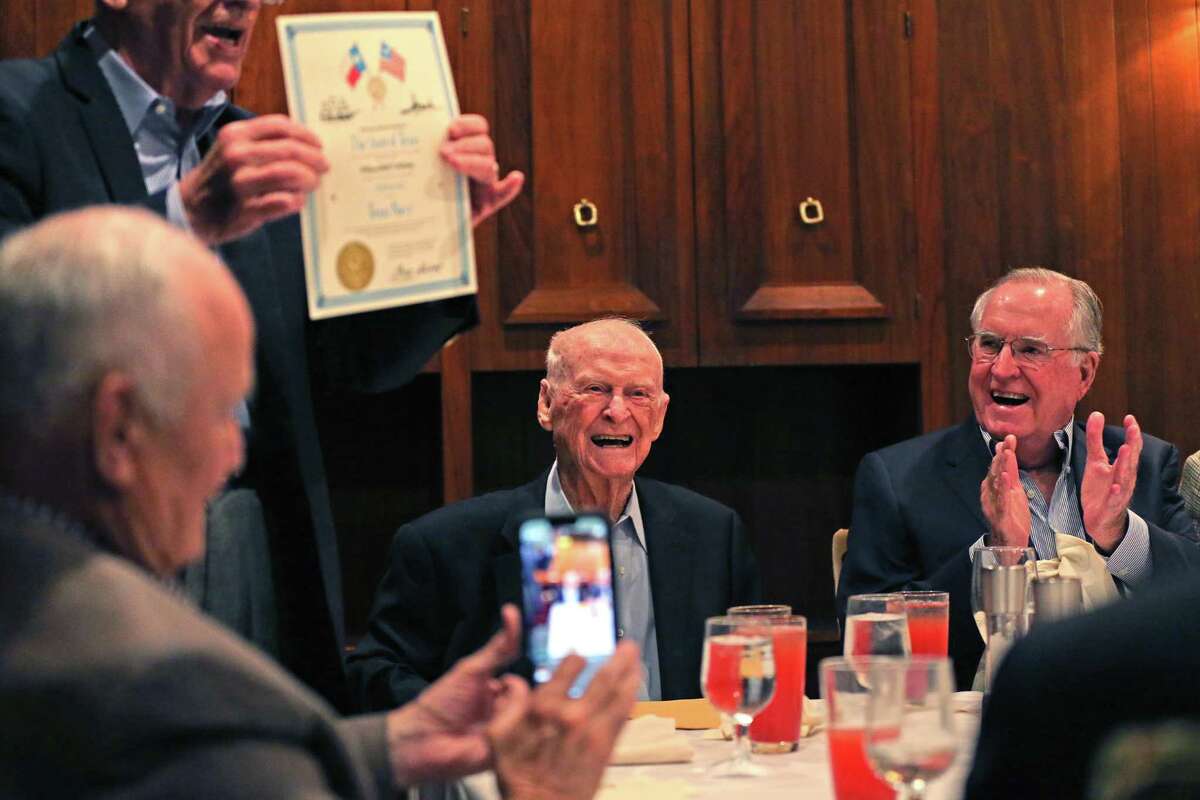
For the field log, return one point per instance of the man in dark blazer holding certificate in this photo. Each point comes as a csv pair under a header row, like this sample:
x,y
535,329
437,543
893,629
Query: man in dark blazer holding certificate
x,y
1021,469
132,108
677,557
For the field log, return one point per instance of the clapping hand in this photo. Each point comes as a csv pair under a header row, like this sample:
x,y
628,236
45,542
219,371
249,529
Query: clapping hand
x,y
1108,487
1003,499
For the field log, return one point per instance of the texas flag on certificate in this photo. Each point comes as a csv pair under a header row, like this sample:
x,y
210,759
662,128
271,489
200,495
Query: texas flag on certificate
x,y
358,65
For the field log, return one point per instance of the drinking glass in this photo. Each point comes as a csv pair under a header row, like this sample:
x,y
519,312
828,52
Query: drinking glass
x,y
776,729
989,557
845,687
737,675
910,722
928,622
760,610
876,625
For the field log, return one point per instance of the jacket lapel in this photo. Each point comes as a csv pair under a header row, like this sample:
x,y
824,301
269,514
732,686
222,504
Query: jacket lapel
x,y
670,555
506,559
966,463
102,121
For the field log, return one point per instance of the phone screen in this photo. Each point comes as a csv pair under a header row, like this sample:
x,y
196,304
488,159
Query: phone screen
x,y
567,594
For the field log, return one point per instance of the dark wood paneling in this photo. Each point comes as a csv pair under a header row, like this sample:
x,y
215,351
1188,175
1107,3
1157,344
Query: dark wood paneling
x,y
792,100
1070,138
594,105
928,204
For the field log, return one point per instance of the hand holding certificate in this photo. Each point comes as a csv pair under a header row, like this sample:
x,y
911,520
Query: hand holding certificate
x,y
390,223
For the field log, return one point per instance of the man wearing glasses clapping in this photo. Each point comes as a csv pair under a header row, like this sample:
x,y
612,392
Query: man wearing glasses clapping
x,y
1021,470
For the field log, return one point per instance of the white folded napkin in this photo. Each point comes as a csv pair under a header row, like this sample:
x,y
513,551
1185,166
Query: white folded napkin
x,y
1077,558
651,740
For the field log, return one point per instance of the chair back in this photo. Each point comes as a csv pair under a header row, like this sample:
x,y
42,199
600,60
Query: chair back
x,y
1189,485
841,538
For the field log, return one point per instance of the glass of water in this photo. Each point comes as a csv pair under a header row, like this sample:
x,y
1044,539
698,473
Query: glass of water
x,y
877,625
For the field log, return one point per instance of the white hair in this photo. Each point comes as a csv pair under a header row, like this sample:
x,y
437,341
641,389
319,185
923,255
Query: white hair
x,y
1087,312
83,294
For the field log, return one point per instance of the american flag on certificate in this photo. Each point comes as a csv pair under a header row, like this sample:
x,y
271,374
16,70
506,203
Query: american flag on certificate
x,y
391,62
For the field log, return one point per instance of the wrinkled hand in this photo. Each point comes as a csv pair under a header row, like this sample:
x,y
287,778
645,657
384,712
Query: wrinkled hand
x,y
1107,488
443,733
548,745
470,150
257,170
1005,505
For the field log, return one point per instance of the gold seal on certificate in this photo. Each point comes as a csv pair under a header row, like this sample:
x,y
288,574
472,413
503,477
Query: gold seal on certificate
x,y
355,266
390,223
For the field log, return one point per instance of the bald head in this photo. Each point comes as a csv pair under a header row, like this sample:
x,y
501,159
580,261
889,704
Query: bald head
x,y
568,347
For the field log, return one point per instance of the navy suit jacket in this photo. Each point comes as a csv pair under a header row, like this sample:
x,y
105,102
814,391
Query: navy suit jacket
x,y
63,145
916,511
452,570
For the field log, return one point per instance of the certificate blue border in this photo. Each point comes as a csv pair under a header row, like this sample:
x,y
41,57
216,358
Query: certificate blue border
x,y
295,28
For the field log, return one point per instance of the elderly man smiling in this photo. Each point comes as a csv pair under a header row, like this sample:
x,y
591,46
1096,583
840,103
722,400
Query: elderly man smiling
x,y
1021,469
679,557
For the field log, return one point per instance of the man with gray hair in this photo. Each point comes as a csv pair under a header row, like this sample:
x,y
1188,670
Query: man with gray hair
x,y
678,557
125,349
1021,470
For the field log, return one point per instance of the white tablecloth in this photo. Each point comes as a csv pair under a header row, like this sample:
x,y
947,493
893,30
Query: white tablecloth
x,y
802,775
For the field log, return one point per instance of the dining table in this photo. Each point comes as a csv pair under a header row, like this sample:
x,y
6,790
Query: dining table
x,y
803,774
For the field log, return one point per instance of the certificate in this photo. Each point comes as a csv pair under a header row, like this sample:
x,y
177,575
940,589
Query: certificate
x,y
390,224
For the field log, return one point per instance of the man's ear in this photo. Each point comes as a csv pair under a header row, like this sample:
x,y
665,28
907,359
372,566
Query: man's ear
x,y
664,401
543,405
116,429
1087,372
115,5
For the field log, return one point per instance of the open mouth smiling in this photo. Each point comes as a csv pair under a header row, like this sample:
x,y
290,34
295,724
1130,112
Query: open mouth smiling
x,y
612,441
1009,398
231,35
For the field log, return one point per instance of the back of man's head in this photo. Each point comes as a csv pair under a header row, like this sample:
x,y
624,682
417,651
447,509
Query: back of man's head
x,y
81,294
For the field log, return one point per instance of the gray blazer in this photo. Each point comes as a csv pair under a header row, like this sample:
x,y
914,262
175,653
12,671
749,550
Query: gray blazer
x,y
111,686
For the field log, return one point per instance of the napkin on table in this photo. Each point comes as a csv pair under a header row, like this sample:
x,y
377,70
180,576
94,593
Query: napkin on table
x,y
651,740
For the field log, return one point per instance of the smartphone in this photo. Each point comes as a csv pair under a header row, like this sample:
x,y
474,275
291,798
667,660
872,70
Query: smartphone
x,y
567,594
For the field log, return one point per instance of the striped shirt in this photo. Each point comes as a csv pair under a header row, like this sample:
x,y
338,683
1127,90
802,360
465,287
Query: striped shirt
x,y
1062,514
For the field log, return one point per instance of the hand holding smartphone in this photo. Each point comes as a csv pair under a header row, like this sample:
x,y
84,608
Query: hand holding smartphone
x,y
567,594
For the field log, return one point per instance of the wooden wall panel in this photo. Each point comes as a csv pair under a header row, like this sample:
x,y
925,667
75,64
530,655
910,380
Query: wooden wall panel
x,y
32,30
1071,139
790,96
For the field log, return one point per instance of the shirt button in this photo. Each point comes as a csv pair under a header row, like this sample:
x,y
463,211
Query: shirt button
x,y
621,572
160,108
620,633
1030,493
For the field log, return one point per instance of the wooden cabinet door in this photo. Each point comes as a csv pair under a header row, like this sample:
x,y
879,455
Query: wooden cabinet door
x,y
800,102
592,101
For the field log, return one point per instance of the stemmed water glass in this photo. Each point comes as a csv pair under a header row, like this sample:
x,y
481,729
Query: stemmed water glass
x,y
910,735
737,676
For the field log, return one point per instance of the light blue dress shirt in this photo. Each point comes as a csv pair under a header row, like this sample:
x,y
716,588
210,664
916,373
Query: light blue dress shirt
x,y
165,149
1130,561
631,568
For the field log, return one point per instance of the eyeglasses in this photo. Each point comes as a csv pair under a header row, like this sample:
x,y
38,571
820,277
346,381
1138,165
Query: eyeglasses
x,y
1026,351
